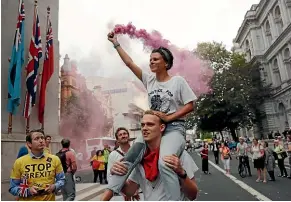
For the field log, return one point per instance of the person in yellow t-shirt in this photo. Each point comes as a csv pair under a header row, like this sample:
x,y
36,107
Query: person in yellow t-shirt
x,y
36,176
47,148
99,157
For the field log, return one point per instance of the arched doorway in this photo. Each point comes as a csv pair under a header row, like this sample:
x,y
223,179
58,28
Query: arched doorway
x,y
283,118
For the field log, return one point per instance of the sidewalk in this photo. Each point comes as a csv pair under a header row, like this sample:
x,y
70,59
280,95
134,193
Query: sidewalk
x,y
84,192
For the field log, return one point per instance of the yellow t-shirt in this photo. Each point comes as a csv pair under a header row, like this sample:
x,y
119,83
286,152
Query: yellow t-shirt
x,y
39,173
47,150
101,159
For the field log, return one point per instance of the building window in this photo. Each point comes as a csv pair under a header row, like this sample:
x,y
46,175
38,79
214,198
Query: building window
x,y
265,75
278,20
268,32
276,72
248,50
287,61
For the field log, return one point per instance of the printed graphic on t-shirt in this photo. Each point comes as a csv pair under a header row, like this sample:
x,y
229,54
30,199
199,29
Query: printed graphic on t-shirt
x,y
38,170
38,173
160,100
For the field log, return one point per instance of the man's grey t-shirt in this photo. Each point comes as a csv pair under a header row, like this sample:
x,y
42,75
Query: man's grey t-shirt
x,y
167,97
154,191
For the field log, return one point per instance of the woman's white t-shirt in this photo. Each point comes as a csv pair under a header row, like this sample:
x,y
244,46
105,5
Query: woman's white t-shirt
x,y
167,97
257,151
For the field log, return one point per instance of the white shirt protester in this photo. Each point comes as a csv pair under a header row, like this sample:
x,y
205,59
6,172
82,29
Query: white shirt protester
x,y
154,191
113,157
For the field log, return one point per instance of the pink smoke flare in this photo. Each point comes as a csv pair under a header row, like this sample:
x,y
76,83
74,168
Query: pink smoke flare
x,y
186,64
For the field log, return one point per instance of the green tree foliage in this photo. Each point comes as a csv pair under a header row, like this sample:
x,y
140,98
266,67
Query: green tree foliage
x,y
236,95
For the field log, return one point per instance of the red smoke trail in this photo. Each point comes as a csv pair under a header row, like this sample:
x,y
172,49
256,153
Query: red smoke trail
x,y
186,64
83,116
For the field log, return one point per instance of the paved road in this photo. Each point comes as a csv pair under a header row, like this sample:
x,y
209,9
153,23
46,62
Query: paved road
x,y
276,191
219,187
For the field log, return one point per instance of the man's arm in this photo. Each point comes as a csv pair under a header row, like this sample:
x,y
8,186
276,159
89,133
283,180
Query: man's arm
x,y
15,180
15,189
132,184
189,188
188,185
130,188
60,175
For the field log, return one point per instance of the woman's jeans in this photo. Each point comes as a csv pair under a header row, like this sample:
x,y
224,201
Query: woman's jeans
x,y
282,167
173,142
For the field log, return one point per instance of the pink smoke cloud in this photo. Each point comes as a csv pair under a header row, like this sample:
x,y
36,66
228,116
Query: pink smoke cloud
x,y
186,63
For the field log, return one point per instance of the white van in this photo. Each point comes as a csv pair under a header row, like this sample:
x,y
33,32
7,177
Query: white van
x,y
99,143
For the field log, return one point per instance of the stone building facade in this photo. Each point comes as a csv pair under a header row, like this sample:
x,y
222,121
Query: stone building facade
x,y
11,144
265,38
71,81
126,97
8,25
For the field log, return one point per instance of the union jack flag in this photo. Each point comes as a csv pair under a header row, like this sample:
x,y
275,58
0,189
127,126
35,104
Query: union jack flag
x,y
34,55
23,192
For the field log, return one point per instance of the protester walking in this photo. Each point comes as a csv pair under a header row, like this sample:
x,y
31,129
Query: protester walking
x,y
98,166
281,154
270,163
69,164
106,152
225,157
258,157
215,149
204,157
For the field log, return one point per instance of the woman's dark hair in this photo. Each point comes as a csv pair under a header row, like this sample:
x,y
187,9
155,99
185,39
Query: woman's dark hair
x,y
98,151
166,54
266,144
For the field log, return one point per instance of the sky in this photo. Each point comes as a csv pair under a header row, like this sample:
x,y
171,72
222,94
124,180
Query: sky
x,y
83,26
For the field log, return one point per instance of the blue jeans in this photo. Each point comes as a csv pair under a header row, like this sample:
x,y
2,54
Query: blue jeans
x,y
173,142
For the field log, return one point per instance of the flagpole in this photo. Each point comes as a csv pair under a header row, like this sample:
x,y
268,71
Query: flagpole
x,y
27,125
9,115
28,118
10,123
47,24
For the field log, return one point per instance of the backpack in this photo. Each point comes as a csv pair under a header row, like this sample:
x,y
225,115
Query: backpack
x,y
62,156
